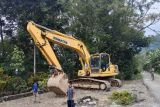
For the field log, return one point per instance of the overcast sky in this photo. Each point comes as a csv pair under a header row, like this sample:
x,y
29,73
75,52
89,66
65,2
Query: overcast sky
x,y
154,9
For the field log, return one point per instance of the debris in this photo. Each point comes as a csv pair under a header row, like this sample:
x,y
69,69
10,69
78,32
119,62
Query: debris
x,y
139,100
87,101
92,103
140,92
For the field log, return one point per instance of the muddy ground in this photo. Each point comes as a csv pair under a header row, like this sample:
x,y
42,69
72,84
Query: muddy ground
x,y
144,98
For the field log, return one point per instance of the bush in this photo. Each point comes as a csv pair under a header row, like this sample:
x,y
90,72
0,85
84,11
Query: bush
x,y
1,71
2,85
43,84
122,97
16,85
31,79
40,76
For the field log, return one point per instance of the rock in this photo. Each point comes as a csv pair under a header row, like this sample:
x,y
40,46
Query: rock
x,y
115,106
92,103
134,90
139,100
86,100
113,103
87,97
140,92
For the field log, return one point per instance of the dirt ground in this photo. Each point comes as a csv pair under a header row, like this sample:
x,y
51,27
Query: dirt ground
x,y
49,99
153,86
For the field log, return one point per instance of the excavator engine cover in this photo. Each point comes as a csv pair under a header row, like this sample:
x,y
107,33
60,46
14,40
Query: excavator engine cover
x,y
58,84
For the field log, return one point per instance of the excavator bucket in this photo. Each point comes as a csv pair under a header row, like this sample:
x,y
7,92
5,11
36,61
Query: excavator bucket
x,y
58,84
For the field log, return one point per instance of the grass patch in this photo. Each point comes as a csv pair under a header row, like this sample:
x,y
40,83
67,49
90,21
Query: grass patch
x,y
122,97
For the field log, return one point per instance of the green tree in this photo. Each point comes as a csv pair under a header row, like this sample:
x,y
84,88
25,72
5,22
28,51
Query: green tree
x,y
108,26
44,12
17,60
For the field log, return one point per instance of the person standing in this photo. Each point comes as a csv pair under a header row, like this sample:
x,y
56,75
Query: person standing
x,y
70,95
35,90
152,73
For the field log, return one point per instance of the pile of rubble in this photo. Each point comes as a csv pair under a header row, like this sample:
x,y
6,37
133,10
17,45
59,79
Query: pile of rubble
x,y
87,101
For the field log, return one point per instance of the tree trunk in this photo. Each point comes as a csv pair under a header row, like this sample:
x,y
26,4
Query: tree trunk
x,y
1,33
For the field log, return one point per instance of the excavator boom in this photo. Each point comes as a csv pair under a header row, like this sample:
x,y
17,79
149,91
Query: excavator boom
x,y
42,36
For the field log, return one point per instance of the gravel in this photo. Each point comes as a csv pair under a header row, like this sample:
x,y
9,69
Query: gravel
x,y
137,87
153,86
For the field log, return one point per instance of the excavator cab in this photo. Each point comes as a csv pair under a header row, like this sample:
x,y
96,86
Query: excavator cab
x,y
99,62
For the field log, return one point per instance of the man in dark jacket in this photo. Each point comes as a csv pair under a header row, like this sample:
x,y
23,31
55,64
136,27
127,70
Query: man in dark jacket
x,y
70,95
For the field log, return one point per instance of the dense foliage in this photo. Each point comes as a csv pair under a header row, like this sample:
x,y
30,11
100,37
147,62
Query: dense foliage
x,y
152,60
40,76
112,26
15,84
11,84
104,26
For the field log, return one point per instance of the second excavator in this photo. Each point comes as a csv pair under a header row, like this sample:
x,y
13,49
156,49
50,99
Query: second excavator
x,y
97,70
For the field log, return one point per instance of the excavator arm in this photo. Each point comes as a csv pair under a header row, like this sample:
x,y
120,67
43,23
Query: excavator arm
x,y
42,37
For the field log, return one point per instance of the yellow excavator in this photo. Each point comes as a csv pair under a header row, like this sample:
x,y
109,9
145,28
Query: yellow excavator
x,y
97,70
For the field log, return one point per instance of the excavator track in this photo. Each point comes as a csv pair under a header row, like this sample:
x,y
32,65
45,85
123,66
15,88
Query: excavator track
x,y
91,83
115,82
